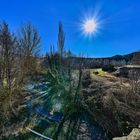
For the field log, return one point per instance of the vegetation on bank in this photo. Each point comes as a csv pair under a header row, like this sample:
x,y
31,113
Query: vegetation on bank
x,y
18,61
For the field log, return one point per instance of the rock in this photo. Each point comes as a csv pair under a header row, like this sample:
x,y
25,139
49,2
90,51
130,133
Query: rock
x,y
134,135
84,134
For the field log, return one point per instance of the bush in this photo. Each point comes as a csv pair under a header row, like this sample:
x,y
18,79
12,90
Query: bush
x,y
96,72
109,68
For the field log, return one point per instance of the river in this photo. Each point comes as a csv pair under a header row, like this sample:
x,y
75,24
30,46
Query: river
x,y
88,129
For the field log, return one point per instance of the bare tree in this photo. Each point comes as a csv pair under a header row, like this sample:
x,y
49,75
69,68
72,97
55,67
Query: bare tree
x,y
134,91
134,80
30,43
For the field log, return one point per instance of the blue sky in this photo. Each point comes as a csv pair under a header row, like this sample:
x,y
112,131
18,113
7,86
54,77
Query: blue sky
x,y
119,33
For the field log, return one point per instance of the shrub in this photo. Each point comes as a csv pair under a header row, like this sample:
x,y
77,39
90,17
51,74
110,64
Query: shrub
x,y
109,68
96,72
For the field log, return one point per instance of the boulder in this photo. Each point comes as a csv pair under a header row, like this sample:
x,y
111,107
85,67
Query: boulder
x,y
134,135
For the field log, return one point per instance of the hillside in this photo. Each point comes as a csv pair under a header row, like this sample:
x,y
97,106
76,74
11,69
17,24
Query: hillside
x,y
117,60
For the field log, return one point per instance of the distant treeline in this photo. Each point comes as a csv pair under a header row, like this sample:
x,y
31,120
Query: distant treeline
x,y
116,61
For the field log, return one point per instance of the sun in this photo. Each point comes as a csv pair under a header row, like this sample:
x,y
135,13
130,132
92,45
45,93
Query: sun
x,y
90,26
91,23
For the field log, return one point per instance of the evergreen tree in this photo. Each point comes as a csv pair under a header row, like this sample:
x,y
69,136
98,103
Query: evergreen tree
x,y
136,58
61,41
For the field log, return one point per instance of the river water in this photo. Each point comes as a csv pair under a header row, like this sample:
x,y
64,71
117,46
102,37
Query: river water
x,y
88,130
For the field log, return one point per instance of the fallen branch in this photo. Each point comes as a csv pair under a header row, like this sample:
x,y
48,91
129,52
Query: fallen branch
x,y
38,134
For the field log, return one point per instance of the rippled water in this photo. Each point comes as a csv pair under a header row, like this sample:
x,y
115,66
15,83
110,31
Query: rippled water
x,y
88,130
